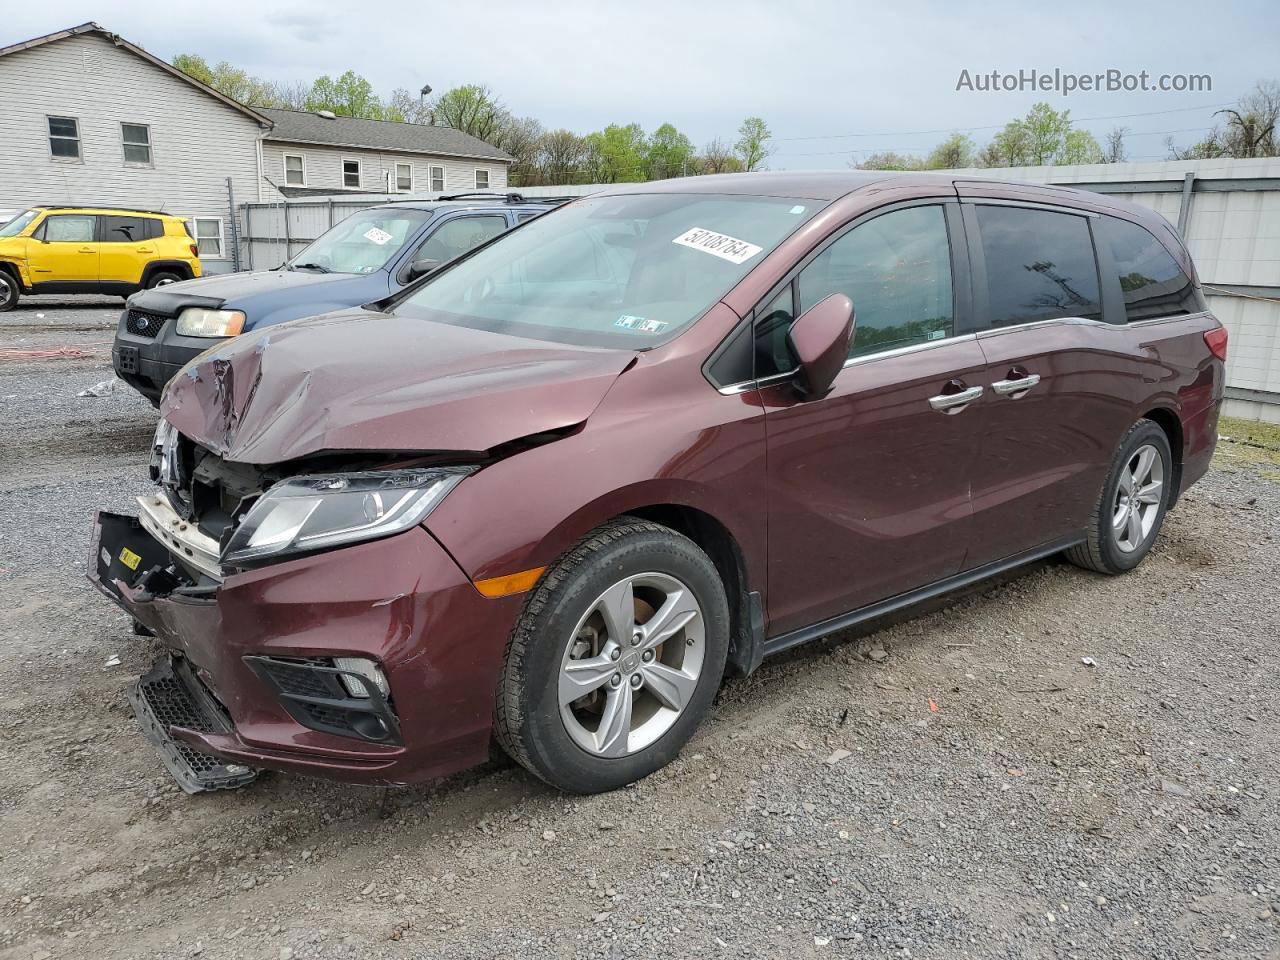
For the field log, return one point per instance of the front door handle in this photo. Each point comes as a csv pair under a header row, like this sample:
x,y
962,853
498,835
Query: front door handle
x,y
955,402
1013,389
87,250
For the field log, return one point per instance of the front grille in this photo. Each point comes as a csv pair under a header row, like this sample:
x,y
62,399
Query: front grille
x,y
173,706
143,324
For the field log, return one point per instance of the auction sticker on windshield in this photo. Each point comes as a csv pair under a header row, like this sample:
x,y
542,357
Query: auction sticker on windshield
x,y
377,236
718,245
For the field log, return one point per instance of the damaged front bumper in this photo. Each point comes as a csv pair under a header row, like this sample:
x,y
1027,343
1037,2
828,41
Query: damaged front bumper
x,y
251,656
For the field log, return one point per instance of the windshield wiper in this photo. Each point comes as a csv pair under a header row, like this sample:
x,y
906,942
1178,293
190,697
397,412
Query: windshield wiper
x,y
310,266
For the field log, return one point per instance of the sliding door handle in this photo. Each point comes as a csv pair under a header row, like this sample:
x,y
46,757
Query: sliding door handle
x,y
1013,389
955,402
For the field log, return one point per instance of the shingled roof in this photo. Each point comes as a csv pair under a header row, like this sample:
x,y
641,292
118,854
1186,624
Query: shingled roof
x,y
294,126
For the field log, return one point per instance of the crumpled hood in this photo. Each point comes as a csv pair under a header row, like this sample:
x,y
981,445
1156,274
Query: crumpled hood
x,y
266,296
371,381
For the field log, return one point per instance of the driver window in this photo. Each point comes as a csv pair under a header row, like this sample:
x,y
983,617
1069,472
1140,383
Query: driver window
x,y
455,237
64,228
896,269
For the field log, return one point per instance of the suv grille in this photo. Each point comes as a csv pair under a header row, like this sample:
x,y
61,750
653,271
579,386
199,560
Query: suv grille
x,y
143,324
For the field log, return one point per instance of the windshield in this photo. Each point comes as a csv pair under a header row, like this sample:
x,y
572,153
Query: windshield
x,y
362,243
18,223
628,270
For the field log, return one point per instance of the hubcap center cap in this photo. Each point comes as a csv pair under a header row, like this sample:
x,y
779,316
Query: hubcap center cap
x,y
630,663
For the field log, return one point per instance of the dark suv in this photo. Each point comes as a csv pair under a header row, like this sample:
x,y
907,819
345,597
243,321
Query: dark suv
x,y
551,493
371,254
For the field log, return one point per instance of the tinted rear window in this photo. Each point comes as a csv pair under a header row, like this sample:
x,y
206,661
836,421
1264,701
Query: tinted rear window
x,y
1040,265
1151,281
124,229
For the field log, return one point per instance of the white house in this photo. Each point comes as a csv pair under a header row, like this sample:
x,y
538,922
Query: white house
x,y
88,118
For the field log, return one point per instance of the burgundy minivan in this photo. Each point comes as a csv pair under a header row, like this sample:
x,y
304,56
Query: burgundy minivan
x,y
552,492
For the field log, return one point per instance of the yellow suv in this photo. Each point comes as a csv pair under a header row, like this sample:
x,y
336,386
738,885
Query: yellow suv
x,y
92,250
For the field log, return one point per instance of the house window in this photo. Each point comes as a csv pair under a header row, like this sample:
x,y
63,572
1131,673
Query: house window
x,y
64,137
437,179
137,143
208,235
482,179
404,177
351,173
295,170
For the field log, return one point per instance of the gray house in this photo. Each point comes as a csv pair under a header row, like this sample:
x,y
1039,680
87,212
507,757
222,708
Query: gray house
x,y
88,118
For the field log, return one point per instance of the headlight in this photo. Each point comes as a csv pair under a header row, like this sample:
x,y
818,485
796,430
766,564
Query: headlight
x,y
311,512
199,322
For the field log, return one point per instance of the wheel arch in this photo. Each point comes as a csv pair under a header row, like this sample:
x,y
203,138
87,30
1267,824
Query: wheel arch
x,y
735,546
169,266
746,610
1169,421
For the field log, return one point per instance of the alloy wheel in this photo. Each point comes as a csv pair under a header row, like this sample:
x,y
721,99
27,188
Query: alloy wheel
x,y
631,665
1139,498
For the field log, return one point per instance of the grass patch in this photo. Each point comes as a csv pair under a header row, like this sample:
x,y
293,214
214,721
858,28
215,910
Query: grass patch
x,y
1250,442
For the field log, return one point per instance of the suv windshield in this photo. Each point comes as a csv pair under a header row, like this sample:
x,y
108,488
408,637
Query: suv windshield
x,y
18,223
629,270
362,243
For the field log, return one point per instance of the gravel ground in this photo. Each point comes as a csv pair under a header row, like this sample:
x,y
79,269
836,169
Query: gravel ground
x,y
958,783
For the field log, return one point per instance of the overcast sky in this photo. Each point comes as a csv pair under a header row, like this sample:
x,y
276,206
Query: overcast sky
x,y
814,71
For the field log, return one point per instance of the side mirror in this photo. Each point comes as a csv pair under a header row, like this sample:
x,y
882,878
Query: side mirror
x,y
420,268
820,338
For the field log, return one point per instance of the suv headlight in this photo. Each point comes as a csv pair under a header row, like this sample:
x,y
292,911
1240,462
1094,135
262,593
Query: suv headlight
x,y
310,512
199,322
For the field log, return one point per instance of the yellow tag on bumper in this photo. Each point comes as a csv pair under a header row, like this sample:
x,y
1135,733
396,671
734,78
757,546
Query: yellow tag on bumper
x,y
129,558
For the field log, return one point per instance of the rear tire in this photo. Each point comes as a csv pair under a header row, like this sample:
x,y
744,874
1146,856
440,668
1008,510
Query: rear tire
x,y
8,291
615,659
163,277
1134,500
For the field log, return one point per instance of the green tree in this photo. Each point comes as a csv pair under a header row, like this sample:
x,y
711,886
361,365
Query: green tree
x,y
1079,146
351,95
228,80
670,153
1046,131
471,108
617,153
753,146
956,151
1009,148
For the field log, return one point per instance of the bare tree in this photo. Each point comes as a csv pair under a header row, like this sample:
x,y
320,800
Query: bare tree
x,y
561,155
717,157
1113,148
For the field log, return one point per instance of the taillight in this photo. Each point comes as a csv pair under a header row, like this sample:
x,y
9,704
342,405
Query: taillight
x,y
1216,341
195,252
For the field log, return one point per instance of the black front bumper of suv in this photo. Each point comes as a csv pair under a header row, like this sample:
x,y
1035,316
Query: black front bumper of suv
x,y
148,351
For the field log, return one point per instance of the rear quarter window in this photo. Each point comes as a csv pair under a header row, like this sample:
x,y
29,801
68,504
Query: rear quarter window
x,y
1040,265
1151,281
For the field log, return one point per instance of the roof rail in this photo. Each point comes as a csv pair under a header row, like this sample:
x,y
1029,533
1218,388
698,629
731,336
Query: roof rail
x,y
98,206
487,195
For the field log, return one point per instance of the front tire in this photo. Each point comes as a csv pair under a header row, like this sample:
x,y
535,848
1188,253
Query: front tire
x,y
615,659
8,291
1134,500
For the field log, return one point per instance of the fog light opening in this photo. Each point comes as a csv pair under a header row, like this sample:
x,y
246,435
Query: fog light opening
x,y
370,727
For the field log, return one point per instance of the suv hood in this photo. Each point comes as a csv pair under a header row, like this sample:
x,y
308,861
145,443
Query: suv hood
x,y
373,381
266,296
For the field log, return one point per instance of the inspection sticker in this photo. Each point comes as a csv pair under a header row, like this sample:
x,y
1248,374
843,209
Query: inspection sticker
x,y
718,245
377,236
639,324
129,558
